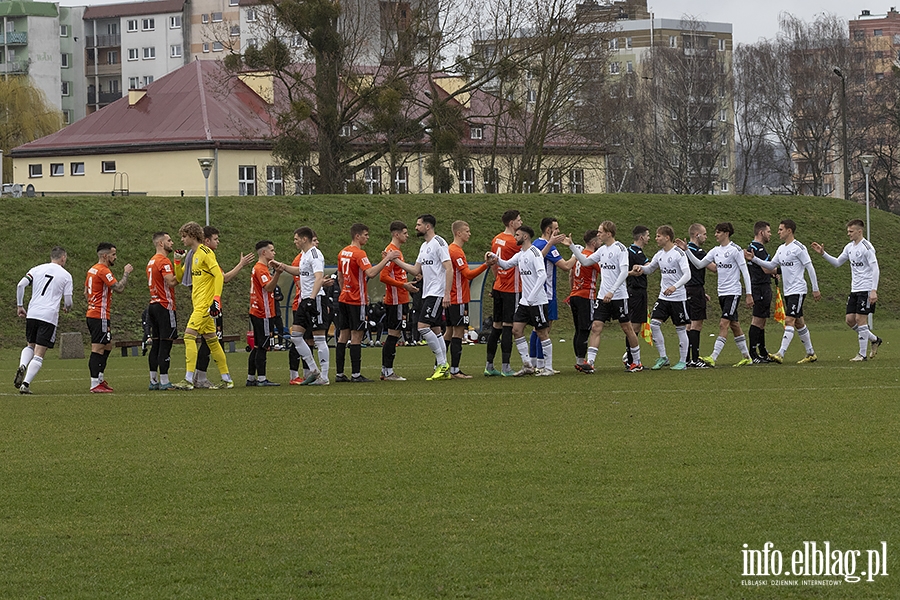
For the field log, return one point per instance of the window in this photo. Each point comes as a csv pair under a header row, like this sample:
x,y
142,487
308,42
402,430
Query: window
x,y
723,186
442,181
66,88
133,54
134,83
114,86
251,15
576,181
175,50
216,17
346,130
724,139
859,35
529,182
629,68
628,43
204,18
252,43
67,116
232,2
721,45
274,181
148,24
614,43
35,171
64,61
879,76
246,181
235,31
205,47
63,31
673,114
476,132
76,168
554,181
175,22
724,162
112,57
108,166
150,53
467,181
877,32
879,54
217,47
614,68
491,181
372,180
827,189
723,115
531,96
401,180
57,169
148,79
132,25
673,41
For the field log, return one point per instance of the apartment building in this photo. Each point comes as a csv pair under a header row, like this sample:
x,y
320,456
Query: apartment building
x,y
30,45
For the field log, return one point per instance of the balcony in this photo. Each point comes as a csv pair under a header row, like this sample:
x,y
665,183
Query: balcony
x,y
14,38
104,99
104,41
15,67
103,69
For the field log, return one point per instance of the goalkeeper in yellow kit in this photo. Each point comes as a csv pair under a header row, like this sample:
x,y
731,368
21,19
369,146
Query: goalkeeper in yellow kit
x,y
206,291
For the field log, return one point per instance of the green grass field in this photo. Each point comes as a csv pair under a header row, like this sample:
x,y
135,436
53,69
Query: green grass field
x,y
614,485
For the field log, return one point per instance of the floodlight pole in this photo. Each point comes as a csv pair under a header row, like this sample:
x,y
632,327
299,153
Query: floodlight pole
x,y
846,150
867,160
206,165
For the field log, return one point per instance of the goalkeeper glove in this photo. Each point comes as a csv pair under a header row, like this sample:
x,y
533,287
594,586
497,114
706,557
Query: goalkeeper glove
x,y
216,308
179,256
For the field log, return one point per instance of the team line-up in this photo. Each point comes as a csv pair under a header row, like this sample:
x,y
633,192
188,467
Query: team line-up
x,y
608,283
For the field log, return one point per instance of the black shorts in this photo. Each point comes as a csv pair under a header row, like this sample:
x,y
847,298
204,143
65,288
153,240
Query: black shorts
x,y
395,316
352,316
762,301
858,304
312,320
613,310
263,330
729,306
536,316
676,309
99,330
162,322
40,333
793,305
505,306
696,302
637,307
582,312
432,311
458,315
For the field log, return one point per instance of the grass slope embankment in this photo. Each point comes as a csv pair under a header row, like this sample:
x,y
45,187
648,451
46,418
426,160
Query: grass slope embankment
x,y
79,223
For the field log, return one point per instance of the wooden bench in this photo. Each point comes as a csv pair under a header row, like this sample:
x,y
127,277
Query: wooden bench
x,y
136,345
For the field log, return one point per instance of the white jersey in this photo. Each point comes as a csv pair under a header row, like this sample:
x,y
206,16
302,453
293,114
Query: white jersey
x,y
864,271
793,259
612,262
49,284
730,267
311,262
432,255
532,274
675,270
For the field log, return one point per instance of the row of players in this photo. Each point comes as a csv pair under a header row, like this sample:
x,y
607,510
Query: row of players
x,y
524,294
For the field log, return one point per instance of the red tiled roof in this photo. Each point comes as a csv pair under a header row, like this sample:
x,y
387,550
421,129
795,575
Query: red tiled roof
x,y
132,9
198,105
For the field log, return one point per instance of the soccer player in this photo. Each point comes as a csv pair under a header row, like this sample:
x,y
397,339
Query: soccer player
x,y
730,267
51,283
581,297
310,308
793,258
637,285
211,241
532,308
697,297
553,260
161,312
505,296
433,263
458,313
206,296
674,267
612,298
262,314
396,301
864,275
98,288
354,269
761,288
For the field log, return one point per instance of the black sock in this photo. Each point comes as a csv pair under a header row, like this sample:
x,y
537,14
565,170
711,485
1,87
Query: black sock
x,y
389,351
455,352
492,341
340,355
506,344
356,358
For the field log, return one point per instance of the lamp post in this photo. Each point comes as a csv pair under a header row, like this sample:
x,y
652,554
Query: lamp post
x,y
206,165
844,149
867,160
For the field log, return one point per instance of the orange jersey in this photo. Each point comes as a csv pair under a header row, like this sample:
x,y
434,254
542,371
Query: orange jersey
x,y
394,278
504,245
99,284
584,279
262,303
353,262
160,293
462,274
296,302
